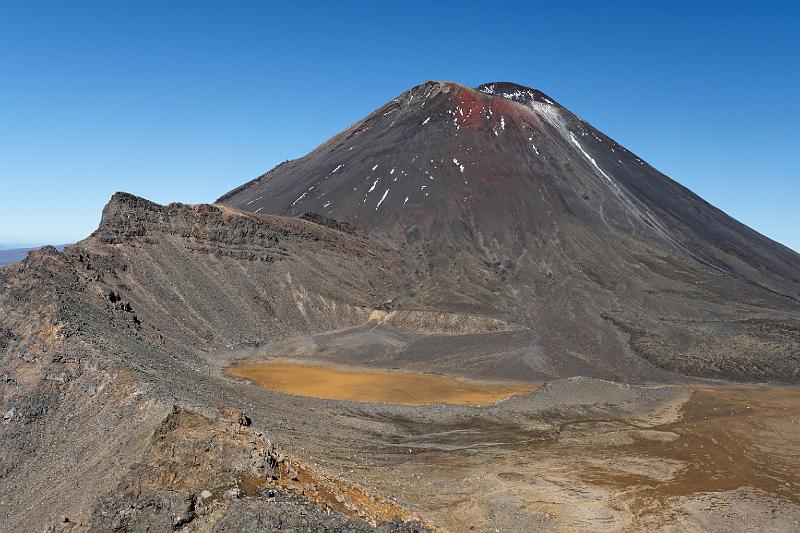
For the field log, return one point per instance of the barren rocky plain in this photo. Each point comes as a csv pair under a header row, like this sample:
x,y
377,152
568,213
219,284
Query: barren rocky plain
x,y
470,311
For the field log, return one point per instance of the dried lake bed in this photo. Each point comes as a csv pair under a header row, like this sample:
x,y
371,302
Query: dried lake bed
x,y
354,384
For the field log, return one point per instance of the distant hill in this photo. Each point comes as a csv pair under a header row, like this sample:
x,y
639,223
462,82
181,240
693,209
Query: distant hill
x,y
12,255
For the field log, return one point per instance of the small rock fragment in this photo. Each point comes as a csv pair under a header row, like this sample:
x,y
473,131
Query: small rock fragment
x,y
232,494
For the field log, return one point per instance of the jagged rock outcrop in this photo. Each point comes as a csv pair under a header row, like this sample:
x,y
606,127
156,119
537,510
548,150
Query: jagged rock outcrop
x,y
206,277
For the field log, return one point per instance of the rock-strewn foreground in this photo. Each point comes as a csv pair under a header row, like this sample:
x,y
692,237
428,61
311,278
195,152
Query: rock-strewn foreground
x,y
117,413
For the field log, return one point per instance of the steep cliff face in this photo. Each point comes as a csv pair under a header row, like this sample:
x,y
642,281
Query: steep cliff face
x,y
204,277
523,212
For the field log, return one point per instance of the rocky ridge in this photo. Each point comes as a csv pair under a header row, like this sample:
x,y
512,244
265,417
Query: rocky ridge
x,y
101,342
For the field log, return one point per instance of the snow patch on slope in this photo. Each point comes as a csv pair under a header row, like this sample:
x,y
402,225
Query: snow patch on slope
x,y
590,158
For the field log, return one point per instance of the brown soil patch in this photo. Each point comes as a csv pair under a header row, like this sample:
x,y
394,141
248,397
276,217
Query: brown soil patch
x,y
731,438
726,439
340,383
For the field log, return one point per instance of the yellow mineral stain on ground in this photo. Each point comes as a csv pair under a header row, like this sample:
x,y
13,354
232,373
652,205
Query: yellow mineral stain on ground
x,y
341,383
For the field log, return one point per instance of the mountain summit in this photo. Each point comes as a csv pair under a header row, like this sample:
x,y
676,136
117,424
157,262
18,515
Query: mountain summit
x,y
522,211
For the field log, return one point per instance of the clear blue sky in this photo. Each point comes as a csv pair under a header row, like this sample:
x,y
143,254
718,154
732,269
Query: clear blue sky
x,y
182,101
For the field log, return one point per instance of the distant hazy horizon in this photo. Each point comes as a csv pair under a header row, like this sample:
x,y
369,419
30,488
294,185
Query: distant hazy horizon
x,y
26,245
181,102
